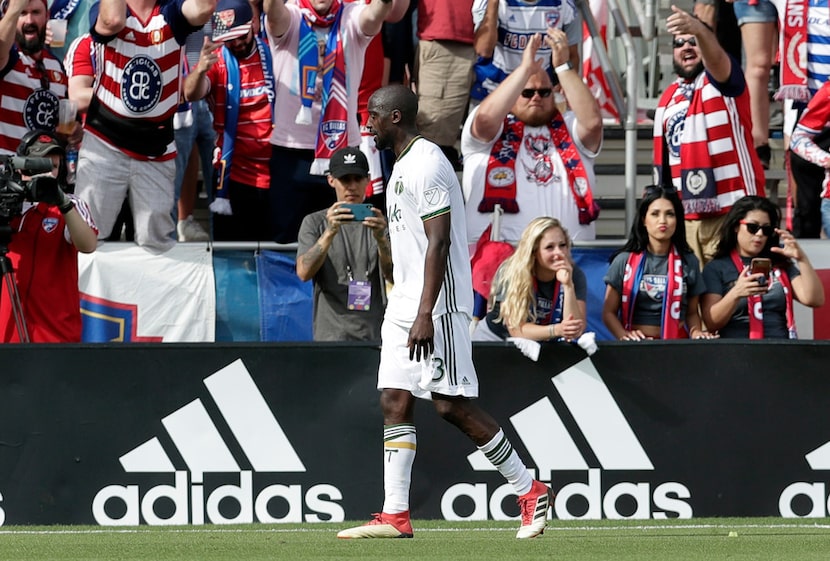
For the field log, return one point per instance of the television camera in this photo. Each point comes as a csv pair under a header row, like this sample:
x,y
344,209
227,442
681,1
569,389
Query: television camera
x,y
14,189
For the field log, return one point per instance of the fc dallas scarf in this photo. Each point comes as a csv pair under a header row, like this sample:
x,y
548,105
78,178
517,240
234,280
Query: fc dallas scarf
x,y
755,305
670,326
793,51
500,178
331,131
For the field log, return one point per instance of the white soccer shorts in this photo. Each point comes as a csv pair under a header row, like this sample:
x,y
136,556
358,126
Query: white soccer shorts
x,y
449,371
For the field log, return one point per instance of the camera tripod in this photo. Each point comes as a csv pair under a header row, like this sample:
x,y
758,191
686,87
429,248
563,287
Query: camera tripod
x,y
7,278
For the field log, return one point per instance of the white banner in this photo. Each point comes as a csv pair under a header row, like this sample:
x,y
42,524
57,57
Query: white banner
x,y
131,295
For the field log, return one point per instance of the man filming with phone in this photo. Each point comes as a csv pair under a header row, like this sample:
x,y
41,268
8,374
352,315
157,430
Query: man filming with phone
x,y
345,250
45,240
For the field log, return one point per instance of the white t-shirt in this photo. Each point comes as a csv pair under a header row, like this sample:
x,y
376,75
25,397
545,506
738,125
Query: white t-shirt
x,y
538,191
423,185
284,50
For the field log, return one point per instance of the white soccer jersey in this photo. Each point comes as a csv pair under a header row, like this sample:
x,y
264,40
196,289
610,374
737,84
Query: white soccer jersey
x,y
423,185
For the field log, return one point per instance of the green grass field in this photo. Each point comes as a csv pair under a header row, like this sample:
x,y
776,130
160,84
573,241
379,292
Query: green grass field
x,y
693,540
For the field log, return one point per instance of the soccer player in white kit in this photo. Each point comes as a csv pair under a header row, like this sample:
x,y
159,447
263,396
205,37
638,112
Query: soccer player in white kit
x,y
426,351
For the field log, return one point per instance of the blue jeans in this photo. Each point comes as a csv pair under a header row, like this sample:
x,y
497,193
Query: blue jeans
x,y
763,11
201,132
825,216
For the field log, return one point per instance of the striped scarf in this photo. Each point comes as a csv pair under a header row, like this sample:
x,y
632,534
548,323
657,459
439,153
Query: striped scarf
x,y
793,49
755,303
670,326
331,131
716,163
500,178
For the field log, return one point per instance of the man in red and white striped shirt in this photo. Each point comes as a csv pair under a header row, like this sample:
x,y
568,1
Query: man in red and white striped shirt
x,y
130,150
31,78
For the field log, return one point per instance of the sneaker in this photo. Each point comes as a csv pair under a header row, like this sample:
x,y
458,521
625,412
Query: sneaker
x,y
191,231
534,506
382,526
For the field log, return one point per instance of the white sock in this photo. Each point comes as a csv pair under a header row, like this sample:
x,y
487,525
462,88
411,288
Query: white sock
x,y
398,455
502,455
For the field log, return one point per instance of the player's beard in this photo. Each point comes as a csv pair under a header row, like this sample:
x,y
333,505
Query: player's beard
x,y
33,46
690,74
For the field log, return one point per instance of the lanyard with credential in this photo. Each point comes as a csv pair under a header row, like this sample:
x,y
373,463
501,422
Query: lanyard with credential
x,y
360,291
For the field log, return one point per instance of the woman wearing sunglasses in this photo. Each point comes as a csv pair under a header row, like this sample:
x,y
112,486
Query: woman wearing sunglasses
x,y
654,281
749,233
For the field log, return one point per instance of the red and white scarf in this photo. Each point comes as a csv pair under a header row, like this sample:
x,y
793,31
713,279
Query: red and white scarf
x,y
755,305
500,177
671,326
332,129
793,49
705,174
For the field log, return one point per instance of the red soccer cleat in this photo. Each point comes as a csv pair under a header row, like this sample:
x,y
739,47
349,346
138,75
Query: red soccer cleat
x,y
381,526
534,506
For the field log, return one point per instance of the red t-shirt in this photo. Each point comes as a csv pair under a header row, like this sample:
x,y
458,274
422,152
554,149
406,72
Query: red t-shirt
x,y
46,267
439,20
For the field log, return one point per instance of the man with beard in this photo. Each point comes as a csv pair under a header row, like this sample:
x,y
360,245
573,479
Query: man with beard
x,y
703,133
31,78
520,152
234,70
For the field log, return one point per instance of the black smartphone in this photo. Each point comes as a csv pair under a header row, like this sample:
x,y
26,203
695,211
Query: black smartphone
x,y
361,211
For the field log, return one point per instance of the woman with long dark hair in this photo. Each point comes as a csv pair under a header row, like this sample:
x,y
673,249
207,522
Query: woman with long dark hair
x,y
654,281
782,272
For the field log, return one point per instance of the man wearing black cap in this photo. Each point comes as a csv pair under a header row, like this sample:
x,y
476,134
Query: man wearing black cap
x,y
46,239
346,252
234,71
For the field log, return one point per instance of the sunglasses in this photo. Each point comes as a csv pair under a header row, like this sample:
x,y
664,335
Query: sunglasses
x,y
528,93
678,43
753,228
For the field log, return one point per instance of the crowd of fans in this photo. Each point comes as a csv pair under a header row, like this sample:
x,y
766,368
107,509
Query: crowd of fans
x,y
266,96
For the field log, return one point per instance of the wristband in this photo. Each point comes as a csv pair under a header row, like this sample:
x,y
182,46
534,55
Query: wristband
x,y
563,67
551,332
67,206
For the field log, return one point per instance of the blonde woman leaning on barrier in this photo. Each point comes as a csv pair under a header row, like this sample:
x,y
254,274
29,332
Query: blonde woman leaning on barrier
x,y
538,293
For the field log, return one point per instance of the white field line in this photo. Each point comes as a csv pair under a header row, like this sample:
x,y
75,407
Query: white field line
x,y
312,529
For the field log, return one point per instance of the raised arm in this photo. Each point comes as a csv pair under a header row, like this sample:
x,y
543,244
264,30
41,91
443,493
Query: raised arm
x,y
582,102
495,107
373,16
277,17
112,17
807,286
196,85
8,28
715,59
198,12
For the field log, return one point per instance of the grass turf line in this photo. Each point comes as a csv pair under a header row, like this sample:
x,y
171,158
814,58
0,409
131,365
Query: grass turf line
x,y
675,540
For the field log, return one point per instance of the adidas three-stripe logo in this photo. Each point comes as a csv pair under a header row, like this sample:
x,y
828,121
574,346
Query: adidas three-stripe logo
x,y
199,442
598,417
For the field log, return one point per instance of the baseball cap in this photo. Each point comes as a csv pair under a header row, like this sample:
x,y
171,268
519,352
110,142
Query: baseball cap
x,y
232,19
44,145
348,161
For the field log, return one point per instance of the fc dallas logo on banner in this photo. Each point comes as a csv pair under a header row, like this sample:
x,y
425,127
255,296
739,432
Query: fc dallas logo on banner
x,y
591,67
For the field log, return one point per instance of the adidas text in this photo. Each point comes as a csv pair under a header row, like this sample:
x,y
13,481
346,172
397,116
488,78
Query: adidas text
x,y
126,505
591,501
803,493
